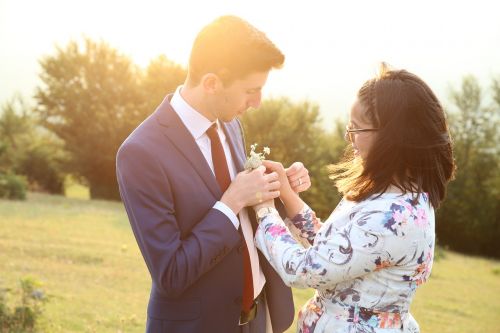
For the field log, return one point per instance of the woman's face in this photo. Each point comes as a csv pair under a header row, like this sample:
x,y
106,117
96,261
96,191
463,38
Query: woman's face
x,y
361,140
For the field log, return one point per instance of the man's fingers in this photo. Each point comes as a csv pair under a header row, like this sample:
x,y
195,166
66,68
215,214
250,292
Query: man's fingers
x,y
261,169
271,195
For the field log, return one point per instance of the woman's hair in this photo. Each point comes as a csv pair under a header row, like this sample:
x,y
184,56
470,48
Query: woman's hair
x,y
412,148
232,48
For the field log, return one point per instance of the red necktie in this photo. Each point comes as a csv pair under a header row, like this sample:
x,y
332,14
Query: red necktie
x,y
222,175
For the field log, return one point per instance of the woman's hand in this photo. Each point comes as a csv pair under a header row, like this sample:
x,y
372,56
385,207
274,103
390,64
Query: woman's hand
x,y
291,200
285,188
298,177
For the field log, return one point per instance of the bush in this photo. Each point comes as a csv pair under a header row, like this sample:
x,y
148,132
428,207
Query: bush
x,y
42,166
24,315
12,186
29,150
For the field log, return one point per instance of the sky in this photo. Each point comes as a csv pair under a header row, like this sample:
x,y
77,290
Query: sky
x,y
331,47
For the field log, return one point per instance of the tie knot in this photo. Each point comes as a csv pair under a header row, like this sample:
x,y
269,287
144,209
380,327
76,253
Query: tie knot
x,y
212,131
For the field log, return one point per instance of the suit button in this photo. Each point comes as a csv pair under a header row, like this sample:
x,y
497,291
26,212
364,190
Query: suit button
x,y
240,249
238,301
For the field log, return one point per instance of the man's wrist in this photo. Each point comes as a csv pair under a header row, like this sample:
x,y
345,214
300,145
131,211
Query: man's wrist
x,y
226,210
232,204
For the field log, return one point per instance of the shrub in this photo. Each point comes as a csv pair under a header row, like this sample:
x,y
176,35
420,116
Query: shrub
x,y
42,166
22,317
12,186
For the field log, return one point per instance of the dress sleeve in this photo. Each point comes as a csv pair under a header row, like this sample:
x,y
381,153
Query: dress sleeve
x,y
336,254
304,226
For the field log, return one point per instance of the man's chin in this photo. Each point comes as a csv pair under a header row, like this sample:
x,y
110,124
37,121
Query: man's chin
x,y
225,119
229,119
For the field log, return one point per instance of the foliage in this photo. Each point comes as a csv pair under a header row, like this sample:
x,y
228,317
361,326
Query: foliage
x,y
23,317
162,76
29,150
92,98
15,126
12,186
469,219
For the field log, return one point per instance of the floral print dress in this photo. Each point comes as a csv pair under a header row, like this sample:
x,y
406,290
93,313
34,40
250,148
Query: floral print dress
x,y
365,261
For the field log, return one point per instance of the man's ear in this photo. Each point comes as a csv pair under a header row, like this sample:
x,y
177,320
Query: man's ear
x,y
211,83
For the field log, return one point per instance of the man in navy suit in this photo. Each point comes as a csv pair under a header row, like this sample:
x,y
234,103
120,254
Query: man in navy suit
x,y
183,185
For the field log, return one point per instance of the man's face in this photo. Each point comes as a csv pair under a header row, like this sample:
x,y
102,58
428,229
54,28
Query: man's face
x,y
236,98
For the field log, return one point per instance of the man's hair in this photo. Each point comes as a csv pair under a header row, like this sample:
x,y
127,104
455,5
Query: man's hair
x,y
232,48
412,149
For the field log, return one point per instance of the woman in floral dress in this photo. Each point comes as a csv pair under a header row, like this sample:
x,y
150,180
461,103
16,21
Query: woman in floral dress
x,y
368,258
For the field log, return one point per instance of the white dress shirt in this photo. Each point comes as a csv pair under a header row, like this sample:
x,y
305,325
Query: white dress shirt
x,y
197,125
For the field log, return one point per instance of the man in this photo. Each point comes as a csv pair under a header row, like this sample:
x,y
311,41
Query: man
x,y
182,182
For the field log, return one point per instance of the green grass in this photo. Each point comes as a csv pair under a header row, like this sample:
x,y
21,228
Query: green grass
x,y
86,256
75,190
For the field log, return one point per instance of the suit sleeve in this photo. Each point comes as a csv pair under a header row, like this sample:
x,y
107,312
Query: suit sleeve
x,y
175,262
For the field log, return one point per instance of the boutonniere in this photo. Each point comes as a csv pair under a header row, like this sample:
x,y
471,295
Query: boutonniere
x,y
254,160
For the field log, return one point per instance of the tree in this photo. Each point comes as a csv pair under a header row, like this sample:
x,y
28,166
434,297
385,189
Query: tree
x,y
92,98
162,76
15,125
29,150
469,218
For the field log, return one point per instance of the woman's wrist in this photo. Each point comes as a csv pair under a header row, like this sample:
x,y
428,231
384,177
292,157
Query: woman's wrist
x,y
288,195
293,204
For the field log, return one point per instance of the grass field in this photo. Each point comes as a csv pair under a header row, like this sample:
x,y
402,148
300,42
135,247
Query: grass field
x,y
85,254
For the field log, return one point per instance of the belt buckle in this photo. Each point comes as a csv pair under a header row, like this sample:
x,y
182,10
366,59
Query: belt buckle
x,y
247,317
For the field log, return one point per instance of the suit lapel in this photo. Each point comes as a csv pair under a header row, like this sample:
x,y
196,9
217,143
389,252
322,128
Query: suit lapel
x,y
232,133
175,130
236,151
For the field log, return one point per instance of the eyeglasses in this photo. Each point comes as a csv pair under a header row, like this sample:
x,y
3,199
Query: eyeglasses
x,y
349,132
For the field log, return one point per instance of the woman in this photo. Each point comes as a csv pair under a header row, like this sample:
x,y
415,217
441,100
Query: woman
x,y
368,258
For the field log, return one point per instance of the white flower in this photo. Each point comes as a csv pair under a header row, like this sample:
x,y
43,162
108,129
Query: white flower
x,y
255,159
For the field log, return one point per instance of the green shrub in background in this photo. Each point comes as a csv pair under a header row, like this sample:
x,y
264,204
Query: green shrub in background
x,y
29,150
22,317
12,186
42,166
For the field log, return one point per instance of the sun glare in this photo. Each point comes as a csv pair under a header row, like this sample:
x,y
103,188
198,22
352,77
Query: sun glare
x,y
330,48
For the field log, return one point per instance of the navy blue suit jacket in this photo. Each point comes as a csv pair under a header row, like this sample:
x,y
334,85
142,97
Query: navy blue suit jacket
x,y
193,251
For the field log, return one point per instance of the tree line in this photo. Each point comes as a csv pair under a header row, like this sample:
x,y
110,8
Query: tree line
x,y
92,96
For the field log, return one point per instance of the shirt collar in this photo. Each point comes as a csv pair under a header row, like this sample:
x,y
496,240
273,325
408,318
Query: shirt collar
x,y
196,123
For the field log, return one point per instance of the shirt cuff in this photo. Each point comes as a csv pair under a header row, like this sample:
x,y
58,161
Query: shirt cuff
x,y
219,205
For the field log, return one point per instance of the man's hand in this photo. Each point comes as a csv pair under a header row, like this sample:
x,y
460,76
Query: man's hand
x,y
298,177
250,188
